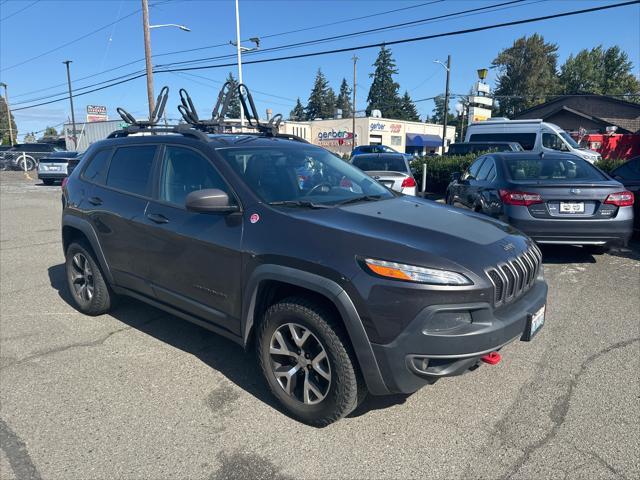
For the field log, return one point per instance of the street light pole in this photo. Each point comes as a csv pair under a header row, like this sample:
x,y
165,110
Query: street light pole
x,y
353,125
239,53
73,115
6,101
147,55
446,105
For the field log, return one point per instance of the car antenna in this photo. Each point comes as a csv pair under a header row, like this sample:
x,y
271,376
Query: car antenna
x,y
156,115
271,128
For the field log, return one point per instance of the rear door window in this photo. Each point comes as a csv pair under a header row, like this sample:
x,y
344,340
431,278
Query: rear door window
x,y
96,171
487,166
130,169
473,170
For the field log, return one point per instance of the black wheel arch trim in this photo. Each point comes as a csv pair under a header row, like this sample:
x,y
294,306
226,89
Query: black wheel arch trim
x,y
88,231
334,293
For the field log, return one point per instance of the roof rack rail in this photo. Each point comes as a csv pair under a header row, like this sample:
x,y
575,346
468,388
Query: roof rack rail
x,y
269,129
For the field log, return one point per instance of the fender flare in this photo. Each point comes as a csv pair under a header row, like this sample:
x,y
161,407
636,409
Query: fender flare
x,y
89,232
334,293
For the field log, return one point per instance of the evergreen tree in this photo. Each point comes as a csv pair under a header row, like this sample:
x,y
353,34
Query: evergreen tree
x,y
527,74
409,111
329,104
383,94
298,112
438,112
318,103
601,71
233,110
344,99
4,124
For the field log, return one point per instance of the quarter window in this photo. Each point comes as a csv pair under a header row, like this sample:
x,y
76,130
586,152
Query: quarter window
x,y
185,171
130,169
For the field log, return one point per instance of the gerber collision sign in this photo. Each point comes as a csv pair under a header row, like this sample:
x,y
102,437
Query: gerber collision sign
x,y
334,137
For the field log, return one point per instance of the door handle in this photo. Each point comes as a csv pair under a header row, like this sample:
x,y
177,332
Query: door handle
x,y
157,218
95,201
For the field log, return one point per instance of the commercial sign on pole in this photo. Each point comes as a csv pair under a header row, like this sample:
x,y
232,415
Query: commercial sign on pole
x,y
97,113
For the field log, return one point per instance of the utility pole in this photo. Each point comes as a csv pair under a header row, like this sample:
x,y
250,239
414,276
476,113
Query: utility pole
x,y
446,105
239,53
353,109
147,55
6,100
73,115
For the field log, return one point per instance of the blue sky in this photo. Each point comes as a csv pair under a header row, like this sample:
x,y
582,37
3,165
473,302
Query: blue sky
x,y
48,24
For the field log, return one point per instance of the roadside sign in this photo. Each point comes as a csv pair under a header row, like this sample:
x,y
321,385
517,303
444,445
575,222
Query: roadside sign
x,y
97,113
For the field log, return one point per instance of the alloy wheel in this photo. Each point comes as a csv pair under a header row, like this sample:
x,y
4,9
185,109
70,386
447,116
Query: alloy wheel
x,y
82,277
300,364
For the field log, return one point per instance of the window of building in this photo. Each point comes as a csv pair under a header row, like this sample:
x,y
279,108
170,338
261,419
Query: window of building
x,y
396,140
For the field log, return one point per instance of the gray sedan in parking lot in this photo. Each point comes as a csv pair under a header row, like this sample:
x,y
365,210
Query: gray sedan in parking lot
x,y
390,169
553,198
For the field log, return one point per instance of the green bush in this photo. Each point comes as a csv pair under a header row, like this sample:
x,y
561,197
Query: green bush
x,y
439,169
608,164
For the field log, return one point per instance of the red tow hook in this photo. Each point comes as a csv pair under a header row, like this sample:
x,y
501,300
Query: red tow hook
x,y
492,358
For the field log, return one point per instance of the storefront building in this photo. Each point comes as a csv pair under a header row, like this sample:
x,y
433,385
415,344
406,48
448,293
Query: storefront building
x,y
337,134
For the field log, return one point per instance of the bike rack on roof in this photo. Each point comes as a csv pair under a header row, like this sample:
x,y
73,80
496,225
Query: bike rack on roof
x,y
197,128
269,129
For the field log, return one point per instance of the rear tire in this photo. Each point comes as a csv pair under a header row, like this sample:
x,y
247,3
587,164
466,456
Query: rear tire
x,y
293,334
29,161
87,286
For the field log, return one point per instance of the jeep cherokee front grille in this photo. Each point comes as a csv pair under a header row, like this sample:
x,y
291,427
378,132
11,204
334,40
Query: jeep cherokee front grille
x,y
516,276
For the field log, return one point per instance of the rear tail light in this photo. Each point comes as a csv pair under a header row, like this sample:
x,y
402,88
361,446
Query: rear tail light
x,y
620,199
519,198
408,182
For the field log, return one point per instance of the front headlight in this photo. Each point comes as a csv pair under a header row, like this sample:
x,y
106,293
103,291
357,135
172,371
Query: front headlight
x,y
412,273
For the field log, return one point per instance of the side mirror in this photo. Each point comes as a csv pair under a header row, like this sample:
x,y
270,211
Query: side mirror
x,y
210,200
455,176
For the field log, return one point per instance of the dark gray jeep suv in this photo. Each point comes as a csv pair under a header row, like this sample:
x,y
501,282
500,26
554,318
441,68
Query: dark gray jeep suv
x,y
343,286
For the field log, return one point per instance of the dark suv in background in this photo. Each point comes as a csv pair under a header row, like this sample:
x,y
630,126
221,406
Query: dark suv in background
x,y
343,286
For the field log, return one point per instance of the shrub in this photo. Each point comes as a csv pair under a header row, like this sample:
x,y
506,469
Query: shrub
x,y
439,169
608,164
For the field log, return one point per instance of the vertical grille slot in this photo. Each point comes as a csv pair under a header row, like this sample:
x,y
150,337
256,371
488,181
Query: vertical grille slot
x,y
516,276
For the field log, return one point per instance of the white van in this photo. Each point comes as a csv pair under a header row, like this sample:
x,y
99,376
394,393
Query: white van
x,y
534,136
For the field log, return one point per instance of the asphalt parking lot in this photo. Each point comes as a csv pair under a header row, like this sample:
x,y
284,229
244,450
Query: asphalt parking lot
x,y
142,394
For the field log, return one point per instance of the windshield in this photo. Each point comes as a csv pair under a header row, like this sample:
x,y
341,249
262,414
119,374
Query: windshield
x,y
567,138
301,174
552,169
384,163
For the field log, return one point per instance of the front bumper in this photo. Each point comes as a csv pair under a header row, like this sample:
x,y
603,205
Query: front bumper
x,y
419,355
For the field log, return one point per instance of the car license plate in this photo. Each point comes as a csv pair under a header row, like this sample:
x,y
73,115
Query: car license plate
x,y
534,324
571,207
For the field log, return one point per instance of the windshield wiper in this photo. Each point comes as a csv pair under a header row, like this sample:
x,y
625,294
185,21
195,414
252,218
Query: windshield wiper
x,y
298,203
363,198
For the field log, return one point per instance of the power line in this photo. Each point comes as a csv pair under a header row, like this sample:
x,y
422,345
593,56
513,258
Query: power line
x,y
367,46
226,44
71,42
353,34
18,11
473,11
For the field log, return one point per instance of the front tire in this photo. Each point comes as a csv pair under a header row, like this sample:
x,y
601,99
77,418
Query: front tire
x,y
30,163
307,362
87,286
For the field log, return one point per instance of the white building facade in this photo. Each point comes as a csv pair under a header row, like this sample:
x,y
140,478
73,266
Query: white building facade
x,y
404,136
